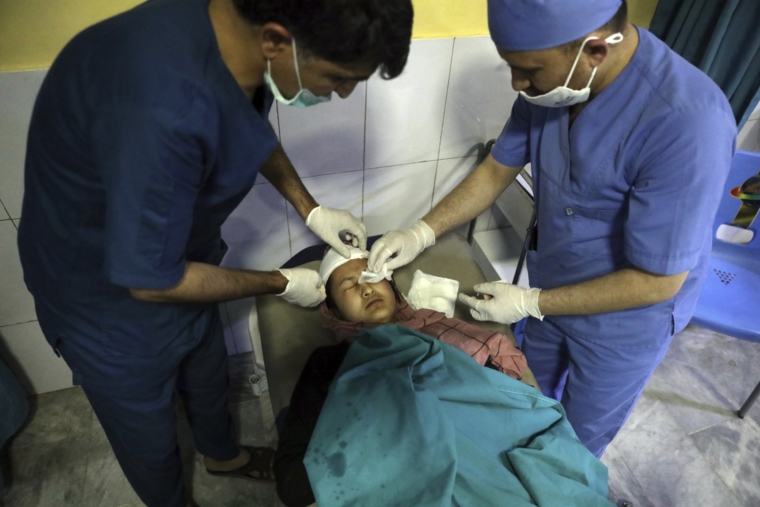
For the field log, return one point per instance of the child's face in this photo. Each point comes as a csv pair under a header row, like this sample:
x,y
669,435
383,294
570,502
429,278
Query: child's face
x,y
367,302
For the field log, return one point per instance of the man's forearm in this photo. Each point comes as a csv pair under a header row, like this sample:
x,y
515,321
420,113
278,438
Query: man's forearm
x,y
471,197
280,172
205,283
621,290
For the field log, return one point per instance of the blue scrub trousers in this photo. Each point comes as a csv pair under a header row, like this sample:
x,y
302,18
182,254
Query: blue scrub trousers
x,y
138,411
597,384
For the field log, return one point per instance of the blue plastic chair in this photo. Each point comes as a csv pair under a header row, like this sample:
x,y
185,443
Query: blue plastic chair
x,y
729,302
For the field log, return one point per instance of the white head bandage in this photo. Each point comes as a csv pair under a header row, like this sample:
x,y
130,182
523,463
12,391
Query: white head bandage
x,y
333,260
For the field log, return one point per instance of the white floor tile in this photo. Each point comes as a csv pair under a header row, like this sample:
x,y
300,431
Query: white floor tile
x,y
396,197
31,358
733,449
405,115
16,303
342,191
666,462
480,96
18,91
328,138
257,231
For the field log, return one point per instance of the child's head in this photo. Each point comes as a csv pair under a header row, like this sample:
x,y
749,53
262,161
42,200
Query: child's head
x,y
350,300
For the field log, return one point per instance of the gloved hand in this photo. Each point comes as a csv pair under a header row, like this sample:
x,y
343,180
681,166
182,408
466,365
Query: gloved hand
x,y
305,287
335,226
509,304
406,244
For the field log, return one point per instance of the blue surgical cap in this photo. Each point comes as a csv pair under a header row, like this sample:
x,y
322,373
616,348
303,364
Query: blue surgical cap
x,y
532,25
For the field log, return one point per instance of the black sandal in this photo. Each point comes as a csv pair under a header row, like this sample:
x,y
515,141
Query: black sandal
x,y
261,462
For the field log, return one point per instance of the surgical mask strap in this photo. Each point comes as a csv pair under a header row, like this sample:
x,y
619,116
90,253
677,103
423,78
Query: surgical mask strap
x,y
295,60
612,39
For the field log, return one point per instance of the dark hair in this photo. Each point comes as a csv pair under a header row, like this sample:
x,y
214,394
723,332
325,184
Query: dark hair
x,y
614,25
378,32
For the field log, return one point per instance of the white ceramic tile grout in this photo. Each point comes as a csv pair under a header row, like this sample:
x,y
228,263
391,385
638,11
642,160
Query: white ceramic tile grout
x,y
410,163
364,148
4,212
446,96
339,172
18,323
405,115
443,122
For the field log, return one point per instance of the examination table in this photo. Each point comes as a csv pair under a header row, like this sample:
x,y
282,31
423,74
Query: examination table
x,y
289,333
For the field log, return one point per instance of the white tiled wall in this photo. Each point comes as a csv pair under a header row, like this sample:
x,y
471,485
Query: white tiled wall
x,y
480,96
387,154
22,345
327,139
18,91
405,115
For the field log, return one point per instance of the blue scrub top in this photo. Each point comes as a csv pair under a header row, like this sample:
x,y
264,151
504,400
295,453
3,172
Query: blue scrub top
x,y
635,181
140,146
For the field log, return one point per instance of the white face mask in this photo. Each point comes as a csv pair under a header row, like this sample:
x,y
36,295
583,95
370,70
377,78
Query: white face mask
x,y
304,98
562,96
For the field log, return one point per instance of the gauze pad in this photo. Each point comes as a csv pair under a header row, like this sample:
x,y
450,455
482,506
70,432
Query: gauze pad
x,y
370,277
433,293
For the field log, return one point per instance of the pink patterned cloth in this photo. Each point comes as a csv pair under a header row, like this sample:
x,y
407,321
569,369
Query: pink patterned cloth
x,y
480,344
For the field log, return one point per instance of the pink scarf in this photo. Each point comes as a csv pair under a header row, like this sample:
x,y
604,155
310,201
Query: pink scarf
x,y
480,344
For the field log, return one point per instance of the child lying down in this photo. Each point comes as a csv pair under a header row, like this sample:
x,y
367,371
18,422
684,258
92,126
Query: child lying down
x,y
352,307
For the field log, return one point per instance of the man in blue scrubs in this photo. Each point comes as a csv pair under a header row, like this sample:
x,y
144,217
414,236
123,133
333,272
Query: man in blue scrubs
x,y
149,130
630,147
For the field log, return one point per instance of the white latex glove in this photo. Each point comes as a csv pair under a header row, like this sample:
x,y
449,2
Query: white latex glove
x,y
508,305
336,225
405,244
305,287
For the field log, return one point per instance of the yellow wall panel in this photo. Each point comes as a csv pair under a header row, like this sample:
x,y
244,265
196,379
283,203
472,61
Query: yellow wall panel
x,y
641,12
32,32
450,18
462,18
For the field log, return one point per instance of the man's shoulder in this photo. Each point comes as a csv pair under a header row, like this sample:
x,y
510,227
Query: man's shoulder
x,y
674,84
146,53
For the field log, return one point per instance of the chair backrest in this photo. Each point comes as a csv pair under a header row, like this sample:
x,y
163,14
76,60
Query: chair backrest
x,y
744,166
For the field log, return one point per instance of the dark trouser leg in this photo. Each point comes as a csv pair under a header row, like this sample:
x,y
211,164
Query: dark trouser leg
x,y
141,426
203,384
